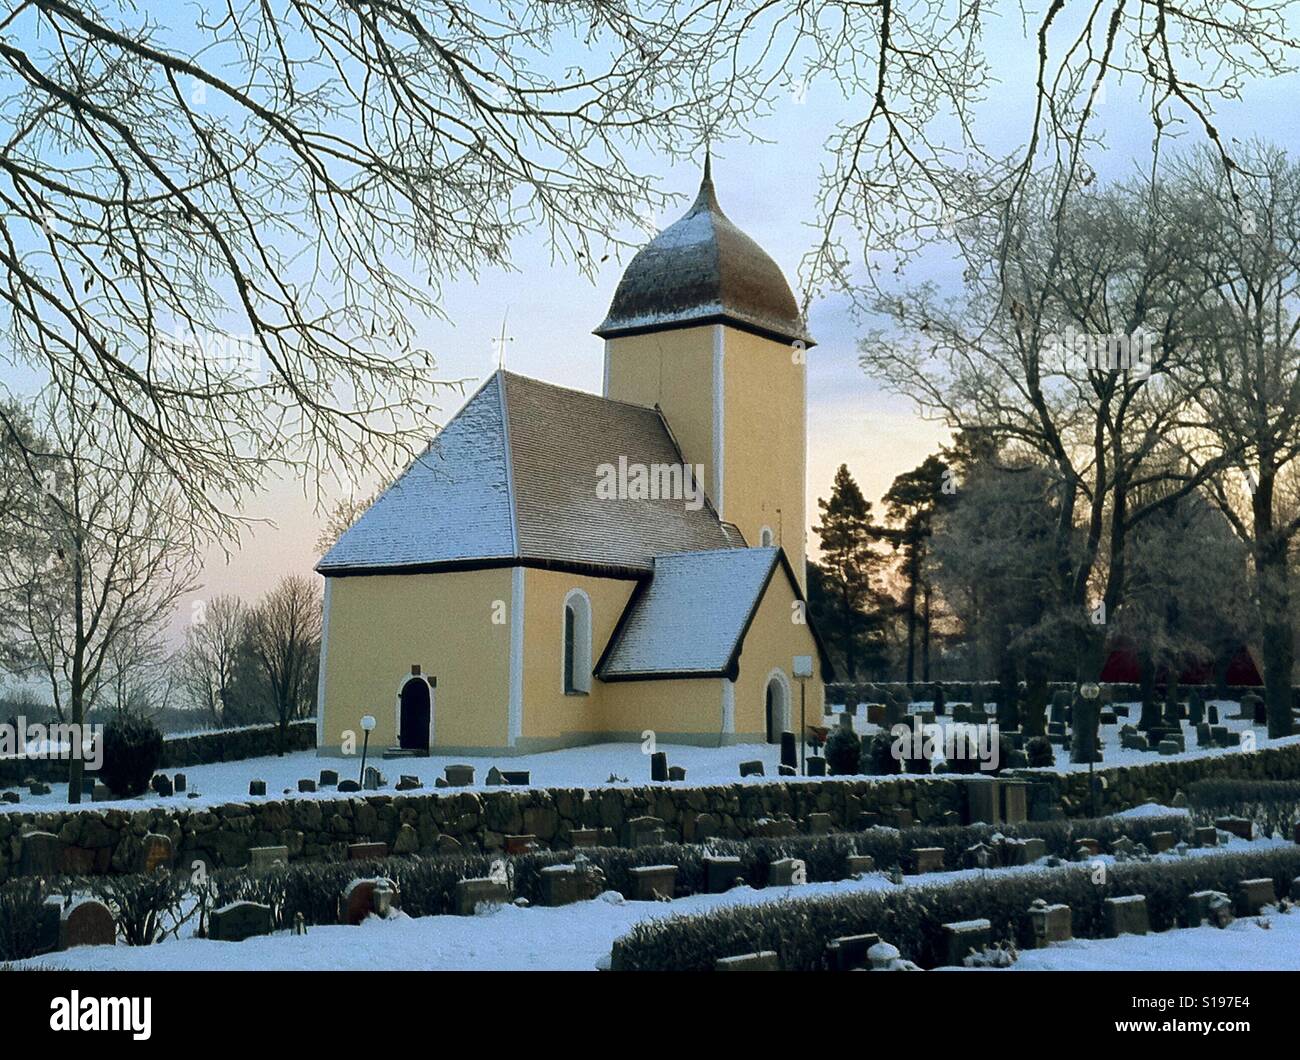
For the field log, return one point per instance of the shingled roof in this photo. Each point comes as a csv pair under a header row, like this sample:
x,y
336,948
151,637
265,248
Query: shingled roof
x,y
702,270
512,480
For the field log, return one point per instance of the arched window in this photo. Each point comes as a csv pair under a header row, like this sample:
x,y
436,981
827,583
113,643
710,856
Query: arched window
x,y
577,643
765,537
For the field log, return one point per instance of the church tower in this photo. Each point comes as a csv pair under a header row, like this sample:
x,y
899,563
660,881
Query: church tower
x,y
704,326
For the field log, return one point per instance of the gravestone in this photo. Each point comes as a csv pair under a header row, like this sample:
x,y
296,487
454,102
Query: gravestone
x,y
372,779
155,853
10,797
763,961
1241,827
927,859
1125,916
1212,713
36,787
1214,906
459,776
849,952
179,782
329,778
721,872
494,778
789,750
408,782
984,801
652,883
676,772
1050,923
964,937
980,856
787,872
306,785
1160,842
348,787
1207,836
519,777
361,898
753,768
257,787
42,855
562,885
1253,895
86,922
262,858
478,892
819,824
643,832
659,766
859,864
239,921
816,765
579,837
1015,801
367,851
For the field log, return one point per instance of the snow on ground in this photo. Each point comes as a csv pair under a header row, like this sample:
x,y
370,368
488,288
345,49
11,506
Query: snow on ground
x,y
1269,943
569,938
598,765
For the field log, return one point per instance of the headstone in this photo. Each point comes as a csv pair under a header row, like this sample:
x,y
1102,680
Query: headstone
x,y
408,782
1207,836
307,785
859,864
1092,846
482,891
579,837
1050,923
1241,827
753,768
676,772
1015,801
927,859
643,832
372,779
652,883
721,872
1162,841
980,856
1125,916
179,782
562,885
459,776
763,961
1214,906
349,786
257,787
155,853
367,851
816,765
262,858
787,872
10,797
984,801
329,778
86,922
789,751
659,766
37,787
964,937
1212,712
42,855
239,921
1253,895
819,824
849,952
520,777
361,898
494,778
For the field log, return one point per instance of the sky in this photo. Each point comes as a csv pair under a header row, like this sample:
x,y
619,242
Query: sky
x,y
767,185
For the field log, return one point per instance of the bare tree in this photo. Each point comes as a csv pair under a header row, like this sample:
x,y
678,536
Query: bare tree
x,y
284,632
1246,228
208,663
98,563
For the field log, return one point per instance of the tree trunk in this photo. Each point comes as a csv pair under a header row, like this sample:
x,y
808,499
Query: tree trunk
x,y
1150,718
1274,609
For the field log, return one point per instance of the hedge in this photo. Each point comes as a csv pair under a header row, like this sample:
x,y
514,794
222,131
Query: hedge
x,y
912,917
1274,805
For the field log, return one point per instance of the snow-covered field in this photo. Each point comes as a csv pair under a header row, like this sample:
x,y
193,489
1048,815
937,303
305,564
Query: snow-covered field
x,y
569,938
587,767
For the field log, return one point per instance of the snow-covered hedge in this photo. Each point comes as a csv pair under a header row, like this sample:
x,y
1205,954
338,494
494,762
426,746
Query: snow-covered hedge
x,y
912,917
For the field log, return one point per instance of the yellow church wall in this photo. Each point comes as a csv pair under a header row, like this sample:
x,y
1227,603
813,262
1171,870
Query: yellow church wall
x,y
674,370
454,625
772,642
765,442
550,716
675,710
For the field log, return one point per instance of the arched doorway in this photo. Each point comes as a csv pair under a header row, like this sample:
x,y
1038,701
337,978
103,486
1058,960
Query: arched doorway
x,y
415,715
777,696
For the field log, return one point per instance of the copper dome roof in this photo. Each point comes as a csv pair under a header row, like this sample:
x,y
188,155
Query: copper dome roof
x,y
704,270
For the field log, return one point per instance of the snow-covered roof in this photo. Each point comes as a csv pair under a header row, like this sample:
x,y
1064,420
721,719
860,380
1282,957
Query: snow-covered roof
x,y
690,618
703,269
513,478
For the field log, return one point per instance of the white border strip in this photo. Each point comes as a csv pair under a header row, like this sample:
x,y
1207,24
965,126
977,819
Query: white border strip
x,y
324,655
515,722
719,381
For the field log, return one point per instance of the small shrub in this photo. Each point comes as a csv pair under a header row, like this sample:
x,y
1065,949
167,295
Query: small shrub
x,y
1040,752
132,752
843,750
20,918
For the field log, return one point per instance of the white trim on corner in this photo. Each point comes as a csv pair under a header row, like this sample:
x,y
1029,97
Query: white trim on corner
x,y
787,694
719,419
728,707
515,719
324,655
582,663
604,385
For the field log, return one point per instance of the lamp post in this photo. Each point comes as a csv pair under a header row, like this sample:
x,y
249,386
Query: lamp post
x,y
1089,690
803,668
367,726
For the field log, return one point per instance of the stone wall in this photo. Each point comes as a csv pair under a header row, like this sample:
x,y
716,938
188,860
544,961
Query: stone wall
x,y
191,749
960,691
110,841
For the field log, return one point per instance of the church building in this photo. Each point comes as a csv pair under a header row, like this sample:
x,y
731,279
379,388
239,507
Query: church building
x,y
561,568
